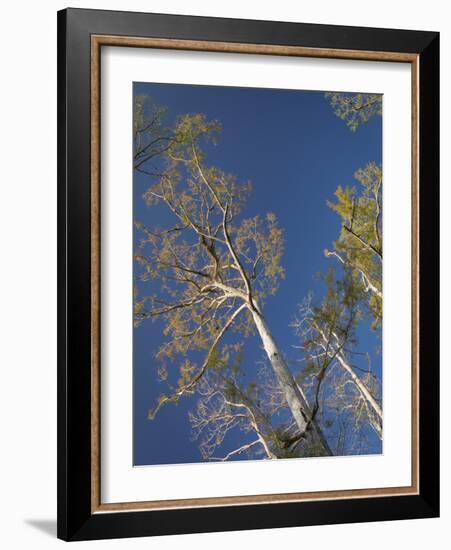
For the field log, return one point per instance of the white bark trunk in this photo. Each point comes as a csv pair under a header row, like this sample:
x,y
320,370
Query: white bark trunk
x,y
369,285
365,393
366,280
294,397
373,405
266,446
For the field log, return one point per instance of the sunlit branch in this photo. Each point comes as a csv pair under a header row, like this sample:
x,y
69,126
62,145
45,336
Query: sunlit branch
x,y
188,387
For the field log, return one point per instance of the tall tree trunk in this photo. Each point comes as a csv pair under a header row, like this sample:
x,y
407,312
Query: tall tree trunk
x,y
295,399
374,408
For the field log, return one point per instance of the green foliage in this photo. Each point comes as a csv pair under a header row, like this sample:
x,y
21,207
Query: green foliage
x,y
355,109
359,246
259,242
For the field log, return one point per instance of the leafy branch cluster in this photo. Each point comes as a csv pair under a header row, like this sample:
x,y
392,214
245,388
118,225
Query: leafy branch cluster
x,y
355,109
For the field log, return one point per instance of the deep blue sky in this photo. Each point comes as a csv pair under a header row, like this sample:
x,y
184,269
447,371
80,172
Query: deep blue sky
x,y
296,152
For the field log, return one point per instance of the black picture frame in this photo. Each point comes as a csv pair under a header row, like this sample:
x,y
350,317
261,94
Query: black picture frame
x,y
76,521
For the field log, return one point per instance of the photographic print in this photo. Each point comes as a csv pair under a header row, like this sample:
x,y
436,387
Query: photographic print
x,y
257,267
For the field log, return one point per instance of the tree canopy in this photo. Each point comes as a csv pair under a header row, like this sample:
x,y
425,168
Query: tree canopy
x,y
204,273
355,109
359,245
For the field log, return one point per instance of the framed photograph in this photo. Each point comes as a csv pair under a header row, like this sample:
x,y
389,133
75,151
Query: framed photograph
x,y
248,274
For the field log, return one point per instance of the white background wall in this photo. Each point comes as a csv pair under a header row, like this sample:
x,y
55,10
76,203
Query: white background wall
x,y
28,271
